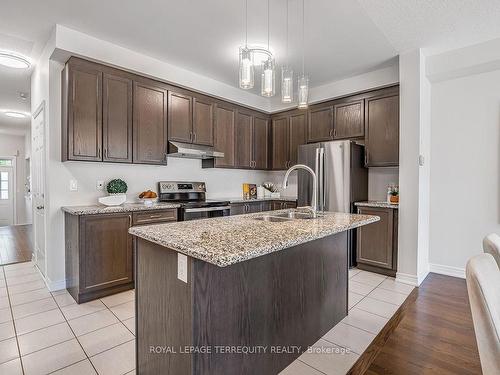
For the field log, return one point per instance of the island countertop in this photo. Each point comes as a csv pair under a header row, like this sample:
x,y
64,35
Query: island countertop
x,y
232,239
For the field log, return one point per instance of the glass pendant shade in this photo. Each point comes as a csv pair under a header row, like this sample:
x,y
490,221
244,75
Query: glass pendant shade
x,y
286,85
303,91
268,77
246,68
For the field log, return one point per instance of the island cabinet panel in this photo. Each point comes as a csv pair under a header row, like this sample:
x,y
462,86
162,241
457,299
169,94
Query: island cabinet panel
x,y
282,205
348,119
280,153
180,117
382,129
244,140
150,123
117,117
261,144
282,299
225,129
377,243
82,111
203,121
320,123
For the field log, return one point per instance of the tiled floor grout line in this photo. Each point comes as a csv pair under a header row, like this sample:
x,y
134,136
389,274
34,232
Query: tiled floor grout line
x,y
13,322
76,337
308,365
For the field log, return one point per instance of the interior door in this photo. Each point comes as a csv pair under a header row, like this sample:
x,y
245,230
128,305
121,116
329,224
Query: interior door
x,y
38,186
6,195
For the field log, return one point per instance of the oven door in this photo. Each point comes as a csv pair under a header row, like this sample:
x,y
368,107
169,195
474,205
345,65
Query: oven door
x,y
205,212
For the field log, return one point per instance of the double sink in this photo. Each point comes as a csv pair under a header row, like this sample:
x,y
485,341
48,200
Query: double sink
x,y
288,216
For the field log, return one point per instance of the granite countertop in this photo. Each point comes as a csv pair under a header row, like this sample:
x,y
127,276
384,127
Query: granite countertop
x,y
232,239
243,200
126,207
379,204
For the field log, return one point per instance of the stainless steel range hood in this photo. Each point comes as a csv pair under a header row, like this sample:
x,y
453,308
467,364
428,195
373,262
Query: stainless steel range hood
x,y
190,151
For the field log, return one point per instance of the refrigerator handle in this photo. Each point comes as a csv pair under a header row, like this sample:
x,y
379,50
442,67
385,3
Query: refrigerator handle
x,y
321,182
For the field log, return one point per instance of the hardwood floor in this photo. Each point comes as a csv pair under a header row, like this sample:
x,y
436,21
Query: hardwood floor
x,y
435,336
16,244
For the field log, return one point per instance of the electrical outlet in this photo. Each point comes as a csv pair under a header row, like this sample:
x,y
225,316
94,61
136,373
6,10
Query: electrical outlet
x,y
73,185
182,267
99,185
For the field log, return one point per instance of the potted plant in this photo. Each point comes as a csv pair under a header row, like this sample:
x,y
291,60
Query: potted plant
x,y
393,194
271,190
116,189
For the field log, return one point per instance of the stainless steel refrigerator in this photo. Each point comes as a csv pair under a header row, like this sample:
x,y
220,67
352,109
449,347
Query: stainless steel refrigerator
x,y
342,179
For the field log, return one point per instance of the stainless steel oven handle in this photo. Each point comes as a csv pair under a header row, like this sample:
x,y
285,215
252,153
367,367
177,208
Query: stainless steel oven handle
x,y
207,209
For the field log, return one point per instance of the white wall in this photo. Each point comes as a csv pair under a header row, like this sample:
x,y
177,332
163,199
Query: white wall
x,y
13,145
378,180
465,170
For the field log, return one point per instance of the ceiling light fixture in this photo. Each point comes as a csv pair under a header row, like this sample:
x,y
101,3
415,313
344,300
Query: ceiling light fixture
x,y
286,72
15,114
303,83
268,69
14,61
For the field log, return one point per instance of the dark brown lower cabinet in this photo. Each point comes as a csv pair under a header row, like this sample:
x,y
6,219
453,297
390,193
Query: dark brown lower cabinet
x,y
100,253
377,243
260,206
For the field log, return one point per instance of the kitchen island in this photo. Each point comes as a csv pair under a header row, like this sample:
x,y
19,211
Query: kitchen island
x,y
238,295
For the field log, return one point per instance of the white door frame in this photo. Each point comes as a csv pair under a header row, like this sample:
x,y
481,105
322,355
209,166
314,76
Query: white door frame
x,y
14,185
41,109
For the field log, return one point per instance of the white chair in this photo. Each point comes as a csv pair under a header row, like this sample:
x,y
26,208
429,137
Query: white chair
x,y
491,245
483,285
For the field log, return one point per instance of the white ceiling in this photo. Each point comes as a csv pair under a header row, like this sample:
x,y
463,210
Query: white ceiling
x,y
343,37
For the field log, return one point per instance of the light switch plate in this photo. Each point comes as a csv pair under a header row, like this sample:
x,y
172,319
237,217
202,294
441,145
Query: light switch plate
x,y
73,185
99,185
182,267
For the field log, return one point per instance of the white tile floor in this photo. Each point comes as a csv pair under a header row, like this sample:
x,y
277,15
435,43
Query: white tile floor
x,y
48,333
373,299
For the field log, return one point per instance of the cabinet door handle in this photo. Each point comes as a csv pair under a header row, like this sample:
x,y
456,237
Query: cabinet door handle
x,y
99,153
129,220
105,153
194,137
334,133
366,157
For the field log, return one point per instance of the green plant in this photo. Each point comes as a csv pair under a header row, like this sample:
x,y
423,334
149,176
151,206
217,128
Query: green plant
x,y
394,190
117,186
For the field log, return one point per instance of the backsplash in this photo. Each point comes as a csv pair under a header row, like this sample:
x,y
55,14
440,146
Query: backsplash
x,y
378,180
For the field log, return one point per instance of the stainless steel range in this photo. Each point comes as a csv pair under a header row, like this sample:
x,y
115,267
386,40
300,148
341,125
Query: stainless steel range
x,y
191,197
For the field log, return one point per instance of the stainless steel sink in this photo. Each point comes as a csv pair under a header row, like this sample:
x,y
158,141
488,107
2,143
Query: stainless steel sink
x,y
296,215
273,219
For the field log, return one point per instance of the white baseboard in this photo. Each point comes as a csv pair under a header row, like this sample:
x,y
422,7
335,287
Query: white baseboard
x,y
447,270
406,278
55,285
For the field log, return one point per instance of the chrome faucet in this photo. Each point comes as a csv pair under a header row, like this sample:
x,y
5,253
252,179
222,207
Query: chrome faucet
x,y
314,199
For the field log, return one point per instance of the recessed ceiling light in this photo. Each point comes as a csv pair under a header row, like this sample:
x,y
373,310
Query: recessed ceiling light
x,y
13,61
15,114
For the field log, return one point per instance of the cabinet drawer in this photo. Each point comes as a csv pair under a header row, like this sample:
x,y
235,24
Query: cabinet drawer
x,y
151,217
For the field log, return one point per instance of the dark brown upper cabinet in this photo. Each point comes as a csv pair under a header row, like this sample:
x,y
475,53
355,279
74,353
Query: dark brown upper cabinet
x,y
382,128
261,144
289,132
225,128
244,139
203,120
150,122
82,111
180,117
348,119
320,123
297,135
117,117
280,146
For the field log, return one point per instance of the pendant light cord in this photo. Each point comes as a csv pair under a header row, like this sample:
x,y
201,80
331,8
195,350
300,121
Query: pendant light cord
x,y
303,32
246,23
268,7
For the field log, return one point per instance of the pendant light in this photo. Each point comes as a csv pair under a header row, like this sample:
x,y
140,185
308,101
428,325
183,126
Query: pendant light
x,y
303,83
246,59
286,72
268,68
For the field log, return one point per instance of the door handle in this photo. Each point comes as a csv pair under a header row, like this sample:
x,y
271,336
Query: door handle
x,y
40,207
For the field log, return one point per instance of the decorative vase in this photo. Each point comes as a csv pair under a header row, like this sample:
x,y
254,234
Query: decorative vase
x,y
276,194
394,199
113,199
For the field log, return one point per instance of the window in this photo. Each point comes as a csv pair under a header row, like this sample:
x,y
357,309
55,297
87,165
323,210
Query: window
x,y
5,162
4,185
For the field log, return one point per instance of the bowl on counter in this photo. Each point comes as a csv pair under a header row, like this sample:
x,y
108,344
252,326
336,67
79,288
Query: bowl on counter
x,y
113,200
